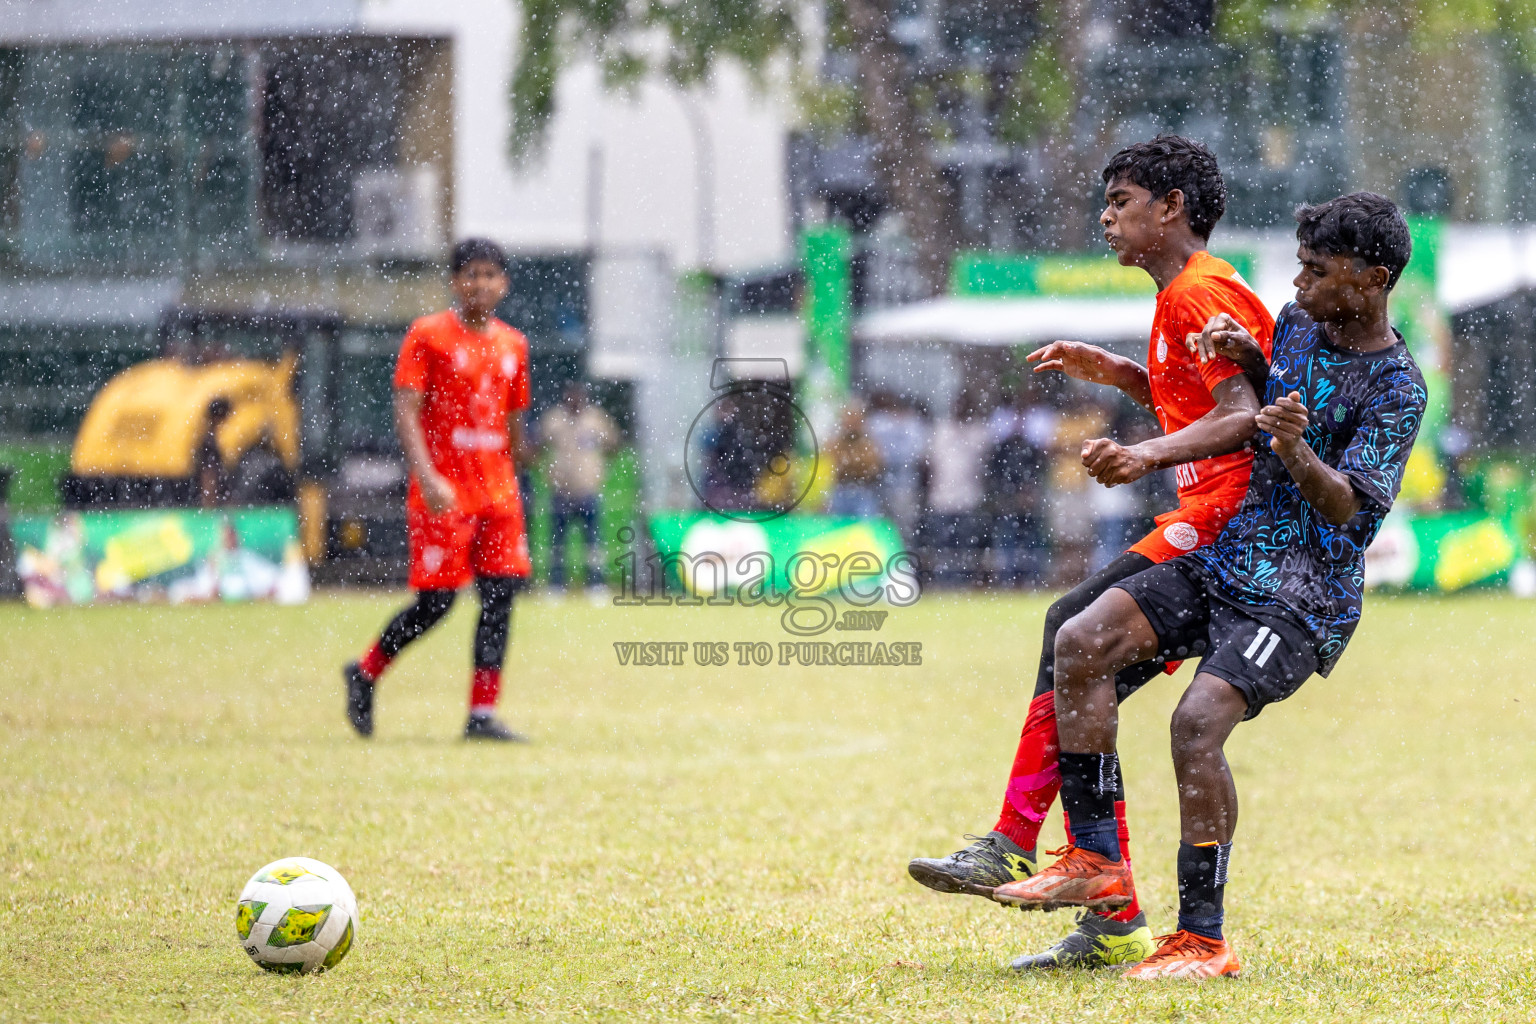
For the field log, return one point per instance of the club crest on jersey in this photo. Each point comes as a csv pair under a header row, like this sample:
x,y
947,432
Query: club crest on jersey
x,y
1336,414
1162,348
1182,536
508,365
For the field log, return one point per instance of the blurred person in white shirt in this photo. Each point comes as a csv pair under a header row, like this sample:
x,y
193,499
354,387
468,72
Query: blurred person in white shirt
x,y
901,433
576,437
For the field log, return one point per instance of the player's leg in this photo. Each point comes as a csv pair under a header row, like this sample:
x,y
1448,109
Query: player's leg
x,y
1173,535
491,635
500,561
415,619
559,524
1208,712
1008,852
1091,648
592,549
1162,612
1253,662
439,547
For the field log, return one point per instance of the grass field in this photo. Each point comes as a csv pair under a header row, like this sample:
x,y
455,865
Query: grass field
x,y
710,843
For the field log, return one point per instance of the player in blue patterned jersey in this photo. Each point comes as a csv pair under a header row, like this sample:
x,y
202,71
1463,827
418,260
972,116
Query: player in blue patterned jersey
x,y
1274,598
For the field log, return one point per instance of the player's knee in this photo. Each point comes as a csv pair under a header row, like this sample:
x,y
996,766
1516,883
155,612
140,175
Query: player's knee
x,y
496,592
1079,650
1187,735
434,604
1197,730
1057,616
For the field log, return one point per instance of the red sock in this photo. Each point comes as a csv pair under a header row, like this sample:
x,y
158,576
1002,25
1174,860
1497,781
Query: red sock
x,y
373,663
484,688
1035,779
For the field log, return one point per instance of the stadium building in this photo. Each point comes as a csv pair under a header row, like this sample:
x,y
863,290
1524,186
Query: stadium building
x,y
289,175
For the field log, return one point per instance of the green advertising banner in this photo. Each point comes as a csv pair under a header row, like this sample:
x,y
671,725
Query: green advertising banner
x,y
708,554
998,275
1417,313
173,555
1445,552
825,255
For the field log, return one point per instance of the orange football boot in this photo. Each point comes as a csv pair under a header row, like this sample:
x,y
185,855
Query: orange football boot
x,y
1188,956
1079,879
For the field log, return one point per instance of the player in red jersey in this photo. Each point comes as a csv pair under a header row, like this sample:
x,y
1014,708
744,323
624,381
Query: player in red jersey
x,y
1162,200
460,386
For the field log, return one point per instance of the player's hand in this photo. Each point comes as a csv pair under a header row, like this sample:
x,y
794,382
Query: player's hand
x,y
1076,359
1224,336
1110,463
437,492
1286,422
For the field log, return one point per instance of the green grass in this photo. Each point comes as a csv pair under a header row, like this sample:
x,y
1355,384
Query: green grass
x,y
709,843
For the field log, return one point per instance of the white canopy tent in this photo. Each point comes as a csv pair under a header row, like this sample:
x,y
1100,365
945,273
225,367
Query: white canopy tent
x,y
1483,263
1020,321
1120,323
1478,264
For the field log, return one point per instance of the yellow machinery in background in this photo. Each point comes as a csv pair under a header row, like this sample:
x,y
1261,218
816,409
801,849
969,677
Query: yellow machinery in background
x,y
251,393
151,421
295,417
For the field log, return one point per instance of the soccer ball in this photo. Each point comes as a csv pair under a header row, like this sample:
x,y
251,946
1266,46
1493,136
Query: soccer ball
x,y
296,915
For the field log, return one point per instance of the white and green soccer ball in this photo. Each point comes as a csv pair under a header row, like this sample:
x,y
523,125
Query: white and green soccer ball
x,y
296,915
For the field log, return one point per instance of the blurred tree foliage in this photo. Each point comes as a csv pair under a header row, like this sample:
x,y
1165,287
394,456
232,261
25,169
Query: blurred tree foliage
x,y
1430,23
680,39
902,105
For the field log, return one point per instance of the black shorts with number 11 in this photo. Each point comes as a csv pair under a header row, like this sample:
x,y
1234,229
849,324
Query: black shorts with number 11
x,y
1265,652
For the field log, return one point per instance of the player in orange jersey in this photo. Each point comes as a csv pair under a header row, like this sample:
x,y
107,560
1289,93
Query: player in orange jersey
x,y
460,386
1162,200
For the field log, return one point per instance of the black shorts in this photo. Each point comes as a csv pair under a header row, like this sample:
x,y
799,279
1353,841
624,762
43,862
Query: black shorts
x,y
1264,652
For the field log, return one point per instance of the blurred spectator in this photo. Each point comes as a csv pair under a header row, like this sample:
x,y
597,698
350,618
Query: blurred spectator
x,y
954,531
730,463
857,466
955,457
212,480
1120,512
577,438
1015,473
1116,514
901,433
1072,519
1455,455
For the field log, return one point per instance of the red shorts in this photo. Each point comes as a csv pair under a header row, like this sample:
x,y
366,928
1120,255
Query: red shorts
x,y
1185,528
450,550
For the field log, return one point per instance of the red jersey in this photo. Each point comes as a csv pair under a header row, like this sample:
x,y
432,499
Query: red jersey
x,y
1182,386
470,381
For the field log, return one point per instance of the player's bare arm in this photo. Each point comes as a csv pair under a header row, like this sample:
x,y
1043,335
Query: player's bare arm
x,y
1223,336
436,491
1325,488
1226,428
1096,366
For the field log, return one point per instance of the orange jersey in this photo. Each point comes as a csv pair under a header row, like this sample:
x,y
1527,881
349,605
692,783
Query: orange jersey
x,y
470,381
1181,386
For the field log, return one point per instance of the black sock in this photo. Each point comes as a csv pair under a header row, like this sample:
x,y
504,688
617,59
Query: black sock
x,y
1202,879
1088,784
425,612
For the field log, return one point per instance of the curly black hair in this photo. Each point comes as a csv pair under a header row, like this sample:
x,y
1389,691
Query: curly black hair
x,y
1364,225
1171,162
471,249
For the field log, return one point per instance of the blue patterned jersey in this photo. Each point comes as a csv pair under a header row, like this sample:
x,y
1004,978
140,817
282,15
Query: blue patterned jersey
x,y
1278,550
